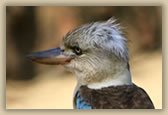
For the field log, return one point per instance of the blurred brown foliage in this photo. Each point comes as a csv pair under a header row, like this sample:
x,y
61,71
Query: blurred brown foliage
x,y
31,29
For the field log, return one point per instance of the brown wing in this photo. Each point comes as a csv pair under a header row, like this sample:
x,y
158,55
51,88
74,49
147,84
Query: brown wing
x,y
141,100
119,97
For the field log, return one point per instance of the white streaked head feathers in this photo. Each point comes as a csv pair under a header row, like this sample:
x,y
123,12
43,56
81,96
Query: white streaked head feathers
x,y
112,38
107,35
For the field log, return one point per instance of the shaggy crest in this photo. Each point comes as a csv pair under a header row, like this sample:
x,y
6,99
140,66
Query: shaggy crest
x,y
106,35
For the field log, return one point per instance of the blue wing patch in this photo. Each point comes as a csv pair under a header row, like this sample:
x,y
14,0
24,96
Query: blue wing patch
x,y
81,104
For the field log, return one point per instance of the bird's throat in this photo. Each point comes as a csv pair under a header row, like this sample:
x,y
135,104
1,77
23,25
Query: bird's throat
x,y
124,78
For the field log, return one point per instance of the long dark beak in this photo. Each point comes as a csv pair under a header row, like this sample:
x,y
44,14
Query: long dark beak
x,y
52,57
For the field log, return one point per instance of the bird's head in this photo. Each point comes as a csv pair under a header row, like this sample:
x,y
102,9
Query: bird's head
x,y
95,53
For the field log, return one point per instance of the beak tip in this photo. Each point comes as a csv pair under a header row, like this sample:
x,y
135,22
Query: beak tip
x,y
30,57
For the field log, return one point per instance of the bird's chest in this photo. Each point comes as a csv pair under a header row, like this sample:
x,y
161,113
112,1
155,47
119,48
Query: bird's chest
x,y
107,98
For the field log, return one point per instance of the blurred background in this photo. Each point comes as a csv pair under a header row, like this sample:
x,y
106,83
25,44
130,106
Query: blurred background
x,y
30,29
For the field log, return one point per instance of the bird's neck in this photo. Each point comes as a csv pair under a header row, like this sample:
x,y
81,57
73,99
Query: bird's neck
x,y
123,78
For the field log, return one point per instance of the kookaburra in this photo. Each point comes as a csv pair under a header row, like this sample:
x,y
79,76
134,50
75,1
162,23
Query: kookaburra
x,y
98,56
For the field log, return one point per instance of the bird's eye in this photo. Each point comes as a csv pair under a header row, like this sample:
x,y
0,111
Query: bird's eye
x,y
62,50
77,50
